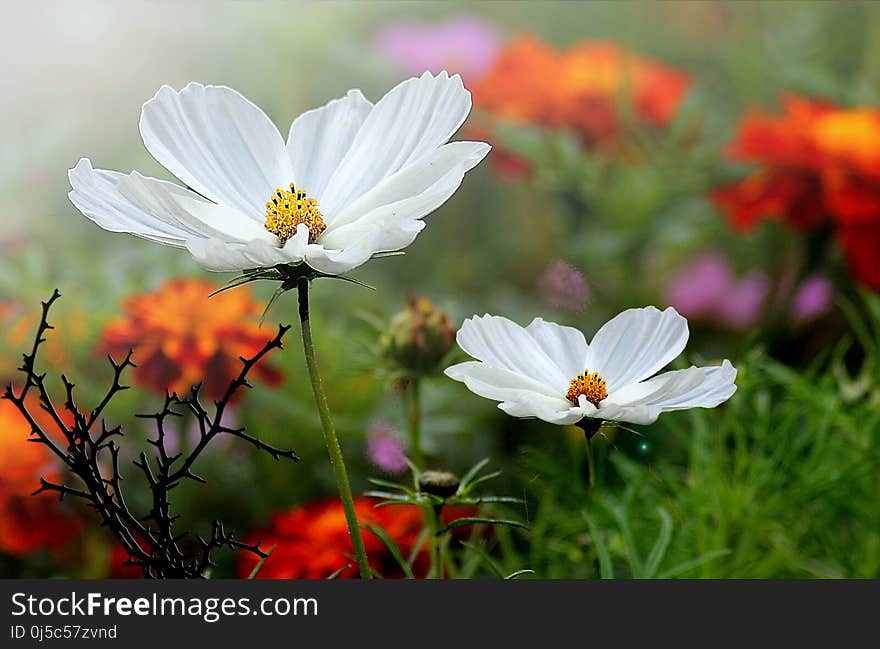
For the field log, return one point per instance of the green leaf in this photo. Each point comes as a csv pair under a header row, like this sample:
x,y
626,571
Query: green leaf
x,y
461,522
472,472
417,546
392,548
389,496
685,566
632,553
519,573
336,573
478,500
489,561
480,480
606,567
660,546
390,485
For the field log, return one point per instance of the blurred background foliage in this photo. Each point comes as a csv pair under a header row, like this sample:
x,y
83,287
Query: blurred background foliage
x,y
779,482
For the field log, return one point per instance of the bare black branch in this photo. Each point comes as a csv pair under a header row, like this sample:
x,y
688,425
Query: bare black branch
x,y
85,444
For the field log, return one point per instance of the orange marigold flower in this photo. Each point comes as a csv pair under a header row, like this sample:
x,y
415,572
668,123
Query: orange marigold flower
x,y
18,323
312,542
182,337
596,77
581,88
522,84
28,523
816,164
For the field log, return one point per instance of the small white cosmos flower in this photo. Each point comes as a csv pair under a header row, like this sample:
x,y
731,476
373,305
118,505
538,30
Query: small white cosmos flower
x,y
353,179
549,371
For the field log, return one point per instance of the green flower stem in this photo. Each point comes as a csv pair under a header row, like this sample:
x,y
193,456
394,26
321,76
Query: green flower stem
x,y
591,464
434,517
415,422
330,439
590,428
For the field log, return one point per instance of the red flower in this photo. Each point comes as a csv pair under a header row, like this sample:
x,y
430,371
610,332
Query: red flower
x,y
816,164
861,246
118,568
312,542
182,337
785,193
29,523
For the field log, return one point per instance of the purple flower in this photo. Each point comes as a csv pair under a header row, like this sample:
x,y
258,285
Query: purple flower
x,y
706,289
813,298
699,285
384,448
563,286
741,307
465,45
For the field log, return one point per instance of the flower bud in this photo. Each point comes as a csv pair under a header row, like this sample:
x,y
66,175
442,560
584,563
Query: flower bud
x,y
418,338
442,484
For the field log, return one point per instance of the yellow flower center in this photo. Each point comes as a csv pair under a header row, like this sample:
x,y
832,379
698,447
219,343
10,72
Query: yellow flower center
x,y
287,209
589,384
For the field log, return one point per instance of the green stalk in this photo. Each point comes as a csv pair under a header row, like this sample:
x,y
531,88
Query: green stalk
x,y
434,515
590,428
591,464
330,439
415,422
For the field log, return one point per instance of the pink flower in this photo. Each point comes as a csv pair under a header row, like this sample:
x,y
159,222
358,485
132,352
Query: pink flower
x,y
813,298
465,45
563,286
697,288
740,308
706,289
384,448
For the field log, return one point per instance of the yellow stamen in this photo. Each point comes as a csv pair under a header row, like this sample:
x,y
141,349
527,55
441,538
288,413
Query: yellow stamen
x,y
589,384
287,209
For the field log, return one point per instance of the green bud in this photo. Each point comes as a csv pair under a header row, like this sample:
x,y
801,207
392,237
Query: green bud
x,y
442,484
418,338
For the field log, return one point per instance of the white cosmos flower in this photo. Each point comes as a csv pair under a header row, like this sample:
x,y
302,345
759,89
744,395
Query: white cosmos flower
x,y
353,179
549,371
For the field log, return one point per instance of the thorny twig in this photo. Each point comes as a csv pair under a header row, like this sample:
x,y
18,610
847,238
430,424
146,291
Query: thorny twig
x,y
92,455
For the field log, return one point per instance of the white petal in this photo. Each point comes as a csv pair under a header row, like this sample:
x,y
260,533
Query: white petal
x,y
95,193
545,413
565,346
389,215
320,138
190,211
505,345
633,414
338,262
218,143
520,395
695,387
717,387
219,255
636,344
412,192
657,389
501,384
409,122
